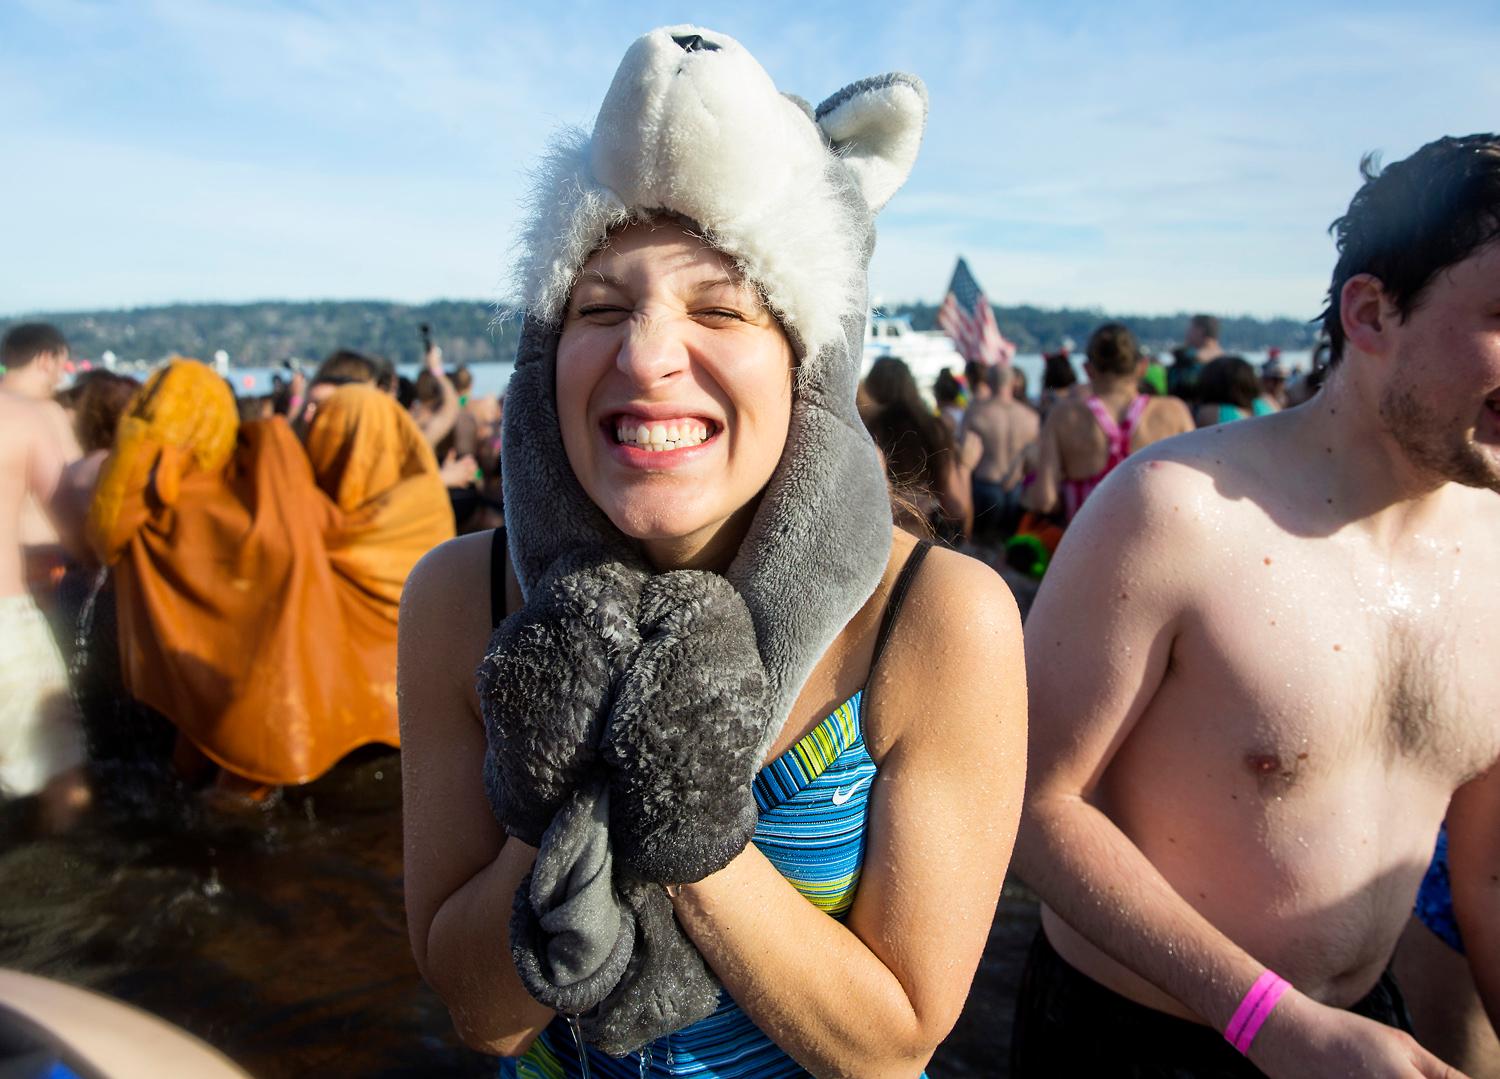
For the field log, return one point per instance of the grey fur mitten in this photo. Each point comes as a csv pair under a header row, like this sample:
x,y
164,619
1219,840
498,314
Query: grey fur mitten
x,y
546,683
684,735
624,714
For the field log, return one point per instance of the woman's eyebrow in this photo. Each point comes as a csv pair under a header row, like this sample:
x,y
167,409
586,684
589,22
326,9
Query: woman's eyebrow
x,y
595,277
708,284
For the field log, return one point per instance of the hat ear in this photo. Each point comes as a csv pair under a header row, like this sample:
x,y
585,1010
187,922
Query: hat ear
x,y
875,125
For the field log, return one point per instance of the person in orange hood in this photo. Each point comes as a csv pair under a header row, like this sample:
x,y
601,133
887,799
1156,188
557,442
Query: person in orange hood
x,y
257,589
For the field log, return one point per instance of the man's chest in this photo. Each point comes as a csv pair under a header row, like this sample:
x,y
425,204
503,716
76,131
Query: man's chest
x,y
1334,659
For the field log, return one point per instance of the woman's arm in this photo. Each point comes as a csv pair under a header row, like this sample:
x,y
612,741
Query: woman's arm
x,y
461,872
945,719
437,423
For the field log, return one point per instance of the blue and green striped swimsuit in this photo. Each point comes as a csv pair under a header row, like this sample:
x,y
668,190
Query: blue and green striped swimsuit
x,y
814,801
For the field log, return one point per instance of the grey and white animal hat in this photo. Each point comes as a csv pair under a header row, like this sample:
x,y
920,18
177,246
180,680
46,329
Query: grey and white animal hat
x,y
627,711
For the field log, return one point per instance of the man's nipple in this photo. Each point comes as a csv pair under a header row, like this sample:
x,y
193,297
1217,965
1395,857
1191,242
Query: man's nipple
x,y
1270,768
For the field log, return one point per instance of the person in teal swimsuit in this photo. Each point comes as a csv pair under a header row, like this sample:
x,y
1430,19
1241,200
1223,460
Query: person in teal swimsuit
x,y
695,514
1229,390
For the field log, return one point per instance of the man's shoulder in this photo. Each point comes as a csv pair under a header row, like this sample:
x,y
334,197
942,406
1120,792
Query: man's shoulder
x,y
985,411
28,417
1168,486
1021,413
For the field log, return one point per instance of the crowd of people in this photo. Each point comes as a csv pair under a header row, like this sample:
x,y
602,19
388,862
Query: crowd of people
x,y
232,566
744,711
1000,475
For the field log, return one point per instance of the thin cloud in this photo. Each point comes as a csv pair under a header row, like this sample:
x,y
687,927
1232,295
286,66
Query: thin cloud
x,y
1146,158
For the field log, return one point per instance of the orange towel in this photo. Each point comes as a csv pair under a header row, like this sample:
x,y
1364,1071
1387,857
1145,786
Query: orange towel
x,y
254,611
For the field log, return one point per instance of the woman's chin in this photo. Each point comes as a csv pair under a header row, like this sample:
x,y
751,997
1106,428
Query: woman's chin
x,y
658,523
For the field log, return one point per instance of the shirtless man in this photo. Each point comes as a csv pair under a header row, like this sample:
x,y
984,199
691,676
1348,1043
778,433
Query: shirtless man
x,y
34,355
1263,663
1085,437
1200,346
1005,428
41,750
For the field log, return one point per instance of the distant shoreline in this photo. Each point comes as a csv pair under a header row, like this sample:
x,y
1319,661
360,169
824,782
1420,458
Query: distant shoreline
x,y
473,332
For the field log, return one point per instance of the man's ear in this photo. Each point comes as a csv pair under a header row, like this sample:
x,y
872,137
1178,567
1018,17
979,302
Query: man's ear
x,y
1366,314
875,125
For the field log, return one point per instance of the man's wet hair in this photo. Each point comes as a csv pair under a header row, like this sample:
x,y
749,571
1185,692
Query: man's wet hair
x,y
1413,219
26,341
1112,350
428,388
1207,325
1058,374
346,366
987,374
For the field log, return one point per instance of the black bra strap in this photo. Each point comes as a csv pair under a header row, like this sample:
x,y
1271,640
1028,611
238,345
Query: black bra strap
x,y
898,596
498,556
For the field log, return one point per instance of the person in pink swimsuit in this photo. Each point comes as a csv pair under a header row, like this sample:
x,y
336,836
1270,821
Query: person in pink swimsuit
x,y
1085,438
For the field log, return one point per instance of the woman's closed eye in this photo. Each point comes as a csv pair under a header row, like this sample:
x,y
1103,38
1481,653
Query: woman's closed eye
x,y
603,312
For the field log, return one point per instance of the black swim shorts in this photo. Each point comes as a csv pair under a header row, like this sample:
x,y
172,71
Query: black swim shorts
x,y
1069,1024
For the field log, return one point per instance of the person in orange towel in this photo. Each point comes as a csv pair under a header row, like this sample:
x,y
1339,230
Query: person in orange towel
x,y
256,611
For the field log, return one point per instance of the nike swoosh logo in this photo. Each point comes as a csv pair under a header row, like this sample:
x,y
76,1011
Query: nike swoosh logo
x,y
843,794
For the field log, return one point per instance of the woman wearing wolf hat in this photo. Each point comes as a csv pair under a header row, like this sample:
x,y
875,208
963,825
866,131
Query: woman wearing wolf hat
x,y
722,828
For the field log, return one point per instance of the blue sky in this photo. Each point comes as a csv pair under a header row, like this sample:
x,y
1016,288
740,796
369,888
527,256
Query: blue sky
x,y
1136,157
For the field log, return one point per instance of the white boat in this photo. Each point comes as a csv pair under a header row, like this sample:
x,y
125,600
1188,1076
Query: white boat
x,y
926,352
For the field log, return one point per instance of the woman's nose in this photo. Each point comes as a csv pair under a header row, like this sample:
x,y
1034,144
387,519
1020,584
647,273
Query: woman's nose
x,y
652,352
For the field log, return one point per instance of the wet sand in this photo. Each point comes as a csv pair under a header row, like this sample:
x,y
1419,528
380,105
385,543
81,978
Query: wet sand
x,y
279,937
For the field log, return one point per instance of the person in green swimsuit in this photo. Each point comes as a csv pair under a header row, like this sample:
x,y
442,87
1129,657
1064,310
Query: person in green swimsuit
x,y
674,391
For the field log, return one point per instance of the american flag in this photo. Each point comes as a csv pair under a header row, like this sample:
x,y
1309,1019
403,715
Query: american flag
x,y
966,316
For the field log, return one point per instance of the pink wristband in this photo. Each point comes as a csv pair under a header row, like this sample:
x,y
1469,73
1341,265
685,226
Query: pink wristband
x,y
1254,1010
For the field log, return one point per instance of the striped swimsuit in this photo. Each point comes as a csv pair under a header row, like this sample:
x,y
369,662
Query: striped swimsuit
x,y
813,802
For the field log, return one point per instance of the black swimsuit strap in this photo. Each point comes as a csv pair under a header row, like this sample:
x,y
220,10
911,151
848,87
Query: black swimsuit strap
x,y
898,596
498,556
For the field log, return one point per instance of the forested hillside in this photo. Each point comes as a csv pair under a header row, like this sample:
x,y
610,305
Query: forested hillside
x,y
470,332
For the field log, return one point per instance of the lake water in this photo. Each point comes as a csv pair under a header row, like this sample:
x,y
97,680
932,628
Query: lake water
x,y
278,934
490,379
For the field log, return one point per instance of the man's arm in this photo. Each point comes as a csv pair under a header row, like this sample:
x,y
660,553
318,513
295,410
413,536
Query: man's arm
x,y
956,497
1042,494
46,458
1098,642
1474,873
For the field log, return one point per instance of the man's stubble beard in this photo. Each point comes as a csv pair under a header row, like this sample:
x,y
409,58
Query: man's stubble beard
x,y
1443,450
